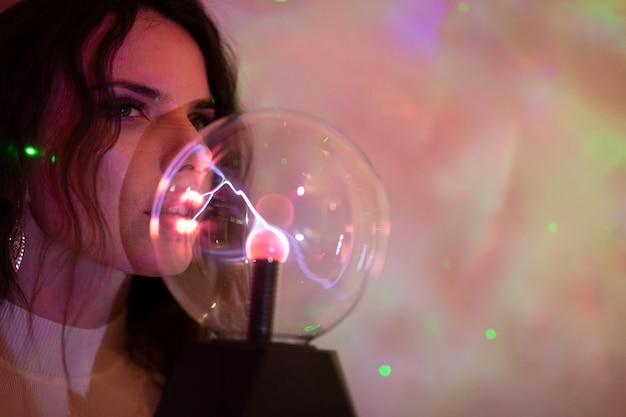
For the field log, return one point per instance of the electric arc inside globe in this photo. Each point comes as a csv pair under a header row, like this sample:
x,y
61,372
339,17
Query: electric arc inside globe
x,y
292,179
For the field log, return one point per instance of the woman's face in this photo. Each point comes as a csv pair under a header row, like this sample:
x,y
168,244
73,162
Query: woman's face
x,y
159,81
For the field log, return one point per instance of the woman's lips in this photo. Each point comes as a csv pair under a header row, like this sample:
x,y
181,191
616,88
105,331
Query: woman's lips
x,y
179,210
185,204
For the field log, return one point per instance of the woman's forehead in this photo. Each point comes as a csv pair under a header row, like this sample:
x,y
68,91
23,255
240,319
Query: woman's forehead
x,y
161,54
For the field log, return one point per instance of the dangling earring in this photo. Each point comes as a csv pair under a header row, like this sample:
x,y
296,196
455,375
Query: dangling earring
x,y
17,242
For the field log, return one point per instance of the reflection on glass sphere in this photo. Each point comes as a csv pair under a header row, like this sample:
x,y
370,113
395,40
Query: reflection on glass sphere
x,y
270,183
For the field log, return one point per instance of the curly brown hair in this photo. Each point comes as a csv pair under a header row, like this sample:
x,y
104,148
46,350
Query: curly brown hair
x,y
42,44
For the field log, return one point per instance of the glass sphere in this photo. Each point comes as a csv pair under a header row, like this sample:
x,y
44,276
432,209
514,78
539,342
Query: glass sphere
x,y
269,184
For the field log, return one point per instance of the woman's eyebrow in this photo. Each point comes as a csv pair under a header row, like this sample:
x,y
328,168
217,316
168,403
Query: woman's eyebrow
x,y
203,104
141,89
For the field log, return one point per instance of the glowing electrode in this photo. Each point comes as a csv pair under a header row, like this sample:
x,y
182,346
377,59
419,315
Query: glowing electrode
x,y
267,244
268,248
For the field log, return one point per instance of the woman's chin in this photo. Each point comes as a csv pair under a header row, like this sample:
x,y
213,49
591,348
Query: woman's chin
x,y
165,262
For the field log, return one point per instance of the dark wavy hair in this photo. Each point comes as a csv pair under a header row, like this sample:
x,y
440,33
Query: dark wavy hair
x,y
41,45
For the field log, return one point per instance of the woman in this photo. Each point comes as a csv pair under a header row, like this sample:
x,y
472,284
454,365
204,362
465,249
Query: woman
x,y
96,99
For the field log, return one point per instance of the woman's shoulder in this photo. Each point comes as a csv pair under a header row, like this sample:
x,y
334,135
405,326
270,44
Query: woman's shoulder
x,y
58,370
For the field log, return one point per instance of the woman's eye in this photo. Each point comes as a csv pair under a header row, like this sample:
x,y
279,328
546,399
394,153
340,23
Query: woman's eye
x,y
200,121
131,108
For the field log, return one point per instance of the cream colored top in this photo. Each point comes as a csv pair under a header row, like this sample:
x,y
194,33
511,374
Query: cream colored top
x,y
51,370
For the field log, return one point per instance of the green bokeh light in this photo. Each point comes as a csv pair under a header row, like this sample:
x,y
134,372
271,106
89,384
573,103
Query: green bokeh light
x,y
384,370
31,151
309,329
553,227
12,151
463,7
490,334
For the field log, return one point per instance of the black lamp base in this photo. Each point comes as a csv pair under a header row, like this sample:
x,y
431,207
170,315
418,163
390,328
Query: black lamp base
x,y
244,379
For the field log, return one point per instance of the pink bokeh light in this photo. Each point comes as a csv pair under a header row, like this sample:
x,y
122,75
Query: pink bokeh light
x,y
499,132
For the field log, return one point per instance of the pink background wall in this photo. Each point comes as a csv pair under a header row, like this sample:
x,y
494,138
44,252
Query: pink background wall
x,y
499,131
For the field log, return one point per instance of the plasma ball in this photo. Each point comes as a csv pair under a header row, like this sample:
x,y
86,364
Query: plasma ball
x,y
276,209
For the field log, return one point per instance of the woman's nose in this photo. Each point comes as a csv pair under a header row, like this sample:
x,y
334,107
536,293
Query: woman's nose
x,y
178,133
196,159
185,155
